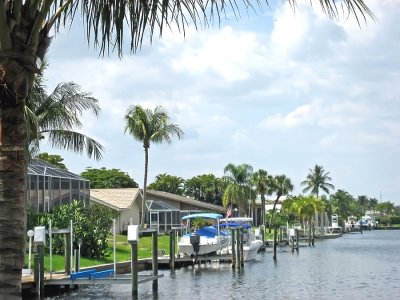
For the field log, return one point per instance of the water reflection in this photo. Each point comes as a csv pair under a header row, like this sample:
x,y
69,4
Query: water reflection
x,y
356,266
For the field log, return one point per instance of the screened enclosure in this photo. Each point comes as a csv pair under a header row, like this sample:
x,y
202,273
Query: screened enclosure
x,y
162,216
49,186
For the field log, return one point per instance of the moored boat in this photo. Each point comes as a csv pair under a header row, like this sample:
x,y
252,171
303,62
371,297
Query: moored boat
x,y
251,245
202,234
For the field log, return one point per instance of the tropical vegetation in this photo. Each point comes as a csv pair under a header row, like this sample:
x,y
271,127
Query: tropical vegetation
x,y
168,183
237,191
317,179
91,224
150,126
108,178
56,117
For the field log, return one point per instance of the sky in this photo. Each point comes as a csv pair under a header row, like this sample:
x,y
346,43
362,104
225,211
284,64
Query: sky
x,y
277,89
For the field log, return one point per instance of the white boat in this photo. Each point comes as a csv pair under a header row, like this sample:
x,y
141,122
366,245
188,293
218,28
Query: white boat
x,y
251,245
210,238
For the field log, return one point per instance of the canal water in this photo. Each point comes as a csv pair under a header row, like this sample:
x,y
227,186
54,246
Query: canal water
x,y
355,266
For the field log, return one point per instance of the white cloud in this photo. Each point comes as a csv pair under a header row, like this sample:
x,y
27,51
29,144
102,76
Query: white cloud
x,y
285,94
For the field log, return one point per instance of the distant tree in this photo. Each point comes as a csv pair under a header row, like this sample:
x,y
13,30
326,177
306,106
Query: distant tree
x,y
343,204
264,184
206,187
168,183
150,126
108,178
386,207
55,160
363,202
238,186
282,186
317,179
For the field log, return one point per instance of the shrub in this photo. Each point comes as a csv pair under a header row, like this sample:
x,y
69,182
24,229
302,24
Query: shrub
x,y
91,224
395,219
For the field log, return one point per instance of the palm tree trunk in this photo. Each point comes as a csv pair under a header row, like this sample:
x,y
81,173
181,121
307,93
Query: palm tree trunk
x,y
146,166
263,210
12,193
273,212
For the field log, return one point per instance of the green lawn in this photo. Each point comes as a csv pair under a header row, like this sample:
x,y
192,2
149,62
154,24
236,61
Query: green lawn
x,y
123,252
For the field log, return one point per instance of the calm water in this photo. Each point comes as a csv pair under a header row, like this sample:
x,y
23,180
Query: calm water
x,y
355,266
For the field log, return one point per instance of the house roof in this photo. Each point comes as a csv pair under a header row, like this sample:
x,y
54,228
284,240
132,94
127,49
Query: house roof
x,y
115,198
120,199
186,200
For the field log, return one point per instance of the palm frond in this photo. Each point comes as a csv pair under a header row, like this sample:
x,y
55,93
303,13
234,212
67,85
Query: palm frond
x,y
76,142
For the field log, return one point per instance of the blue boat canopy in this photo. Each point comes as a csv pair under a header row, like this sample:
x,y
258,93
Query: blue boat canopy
x,y
203,215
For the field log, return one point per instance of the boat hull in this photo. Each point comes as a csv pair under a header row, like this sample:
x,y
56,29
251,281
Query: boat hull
x,y
207,245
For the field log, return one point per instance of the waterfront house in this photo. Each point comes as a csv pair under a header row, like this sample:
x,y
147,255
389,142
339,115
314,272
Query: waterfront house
x,y
163,210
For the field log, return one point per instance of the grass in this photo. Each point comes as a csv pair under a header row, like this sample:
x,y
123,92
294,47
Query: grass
x,y
123,252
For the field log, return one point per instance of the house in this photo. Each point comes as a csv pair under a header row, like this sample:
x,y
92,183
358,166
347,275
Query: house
x,y
163,210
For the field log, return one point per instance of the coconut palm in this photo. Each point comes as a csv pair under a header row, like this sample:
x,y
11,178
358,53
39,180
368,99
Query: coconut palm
x,y
25,28
56,116
282,186
149,126
317,179
238,185
264,186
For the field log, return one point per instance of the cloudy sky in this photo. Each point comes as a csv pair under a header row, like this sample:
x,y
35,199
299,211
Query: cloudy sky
x,y
278,90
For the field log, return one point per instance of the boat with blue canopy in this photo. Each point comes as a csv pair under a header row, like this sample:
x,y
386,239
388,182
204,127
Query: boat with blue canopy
x,y
202,235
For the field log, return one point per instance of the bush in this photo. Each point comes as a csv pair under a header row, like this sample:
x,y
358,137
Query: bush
x,y
395,219
91,224
384,220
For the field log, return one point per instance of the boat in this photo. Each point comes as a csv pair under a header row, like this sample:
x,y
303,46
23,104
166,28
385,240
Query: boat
x,y
251,245
202,234
352,224
335,229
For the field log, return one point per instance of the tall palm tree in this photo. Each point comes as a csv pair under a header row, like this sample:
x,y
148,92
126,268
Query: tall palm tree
x,y
264,186
282,186
25,28
317,179
238,185
148,126
56,116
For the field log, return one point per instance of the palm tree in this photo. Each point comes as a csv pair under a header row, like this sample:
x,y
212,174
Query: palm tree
x,y
25,28
238,188
55,117
282,186
264,186
317,179
148,126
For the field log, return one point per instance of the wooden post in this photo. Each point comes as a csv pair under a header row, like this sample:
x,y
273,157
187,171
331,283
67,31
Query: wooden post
x,y
233,248
262,230
241,248
40,278
297,240
275,242
292,241
238,248
36,268
76,253
313,236
134,268
155,261
172,243
67,251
